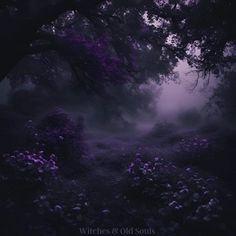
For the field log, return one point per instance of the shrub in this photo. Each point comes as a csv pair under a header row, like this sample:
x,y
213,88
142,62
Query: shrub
x,y
183,199
23,176
195,146
57,133
71,213
27,169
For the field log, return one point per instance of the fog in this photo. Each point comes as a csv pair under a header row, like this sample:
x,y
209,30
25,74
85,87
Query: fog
x,y
156,102
180,96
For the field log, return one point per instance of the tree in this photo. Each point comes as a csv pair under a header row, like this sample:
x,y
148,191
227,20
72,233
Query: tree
x,y
224,97
115,41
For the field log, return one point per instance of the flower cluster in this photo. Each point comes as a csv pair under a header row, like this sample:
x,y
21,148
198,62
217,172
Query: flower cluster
x,y
180,196
29,167
195,143
73,214
150,178
195,147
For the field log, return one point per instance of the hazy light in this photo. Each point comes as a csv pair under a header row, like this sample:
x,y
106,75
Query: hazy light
x,y
177,97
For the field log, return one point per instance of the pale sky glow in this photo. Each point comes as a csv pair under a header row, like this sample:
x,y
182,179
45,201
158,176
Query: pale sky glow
x,y
178,97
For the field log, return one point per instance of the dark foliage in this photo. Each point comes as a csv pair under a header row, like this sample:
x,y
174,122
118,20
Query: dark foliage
x,y
124,39
190,118
213,152
27,169
185,202
52,50
59,134
224,97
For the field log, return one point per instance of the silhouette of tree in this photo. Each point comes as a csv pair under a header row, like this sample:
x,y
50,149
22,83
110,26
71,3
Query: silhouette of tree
x,y
106,41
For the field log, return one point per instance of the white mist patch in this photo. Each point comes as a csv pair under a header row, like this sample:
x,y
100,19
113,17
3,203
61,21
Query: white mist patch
x,y
175,99
186,94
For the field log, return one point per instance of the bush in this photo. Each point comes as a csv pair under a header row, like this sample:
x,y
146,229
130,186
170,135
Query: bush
x,y
27,169
70,214
183,199
195,146
57,133
213,153
23,176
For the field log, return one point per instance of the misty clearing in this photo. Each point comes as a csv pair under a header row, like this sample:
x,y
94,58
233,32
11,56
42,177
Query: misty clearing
x,y
117,117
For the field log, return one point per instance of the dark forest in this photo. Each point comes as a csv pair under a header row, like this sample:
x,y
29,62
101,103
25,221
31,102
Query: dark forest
x,y
117,117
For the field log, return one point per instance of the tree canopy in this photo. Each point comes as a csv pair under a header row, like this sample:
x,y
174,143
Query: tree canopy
x,y
113,41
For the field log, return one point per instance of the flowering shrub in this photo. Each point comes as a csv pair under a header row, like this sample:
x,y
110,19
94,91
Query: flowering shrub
x,y
57,133
182,197
28,168
194,144
52,210
198,150
149,178
47,205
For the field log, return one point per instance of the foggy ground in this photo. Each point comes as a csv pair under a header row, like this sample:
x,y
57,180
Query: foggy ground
x,y
174,132
101,173
113,151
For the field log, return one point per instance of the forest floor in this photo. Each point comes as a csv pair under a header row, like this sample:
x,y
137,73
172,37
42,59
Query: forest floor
x,y
165,182
112,152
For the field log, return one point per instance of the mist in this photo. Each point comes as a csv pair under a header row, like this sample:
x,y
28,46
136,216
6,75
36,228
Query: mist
x,y
158,102
117,117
